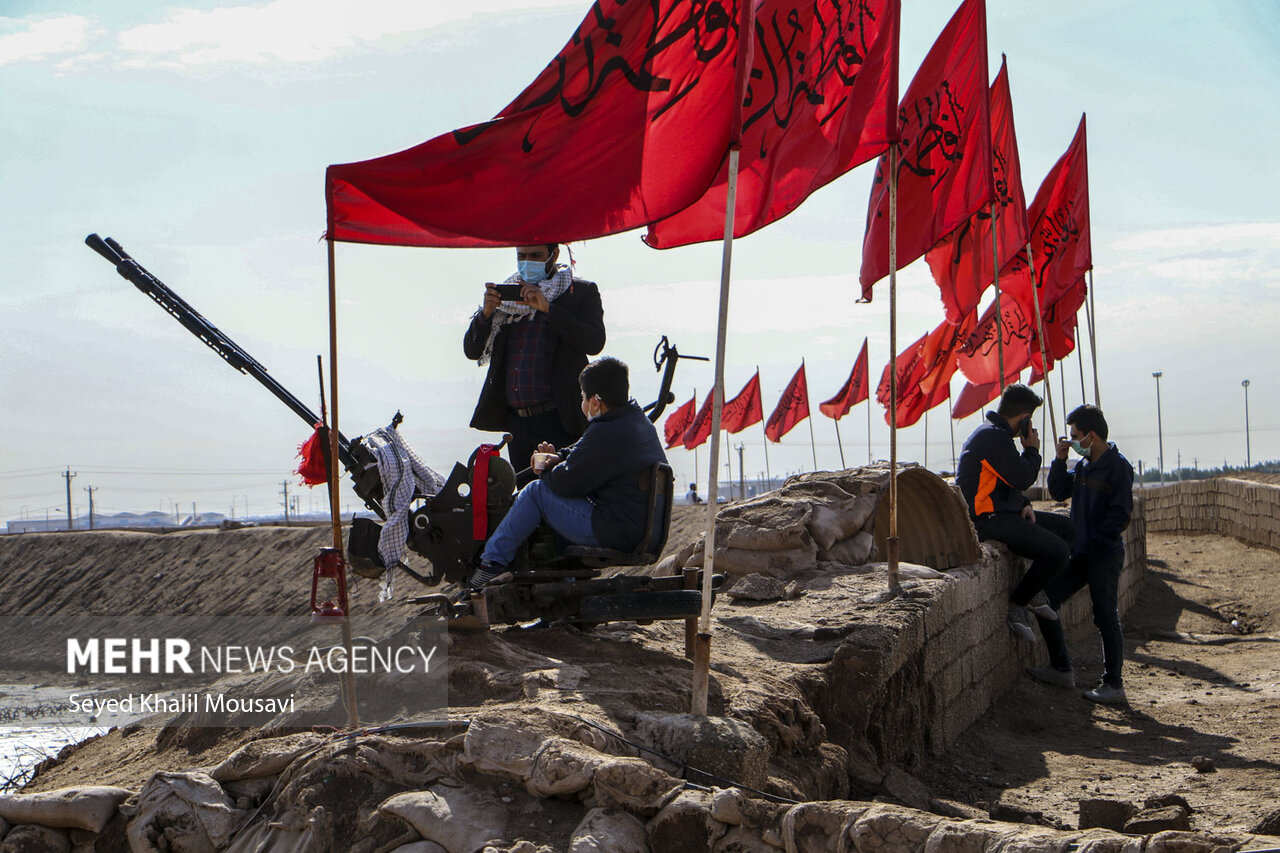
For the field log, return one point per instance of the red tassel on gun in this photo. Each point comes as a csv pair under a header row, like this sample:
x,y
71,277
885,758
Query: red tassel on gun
x,y
312,468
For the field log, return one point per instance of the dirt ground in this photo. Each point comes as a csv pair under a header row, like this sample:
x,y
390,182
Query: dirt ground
x,y
1199,687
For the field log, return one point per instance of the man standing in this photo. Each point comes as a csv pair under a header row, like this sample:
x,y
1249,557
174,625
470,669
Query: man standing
x,y
992,475
1101,491
535,347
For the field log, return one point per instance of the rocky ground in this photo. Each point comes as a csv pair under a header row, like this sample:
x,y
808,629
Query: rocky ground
x,y
1204,720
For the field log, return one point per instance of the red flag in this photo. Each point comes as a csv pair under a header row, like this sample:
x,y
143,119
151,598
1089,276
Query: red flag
x,y
677,422
979,359
924,371
962,263
821,100
973,397
1059,326
312,469
1060,243
628,124
944,171
699,429
745,409
792,408
854,390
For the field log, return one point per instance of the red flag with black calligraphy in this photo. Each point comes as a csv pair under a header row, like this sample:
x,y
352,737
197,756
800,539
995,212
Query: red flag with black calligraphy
x,y
628,124
924,371
820,100
1060,243
677,422
792,408
973,397
979,358
1059,326
745,409
944,167
962,264
855,390
699,430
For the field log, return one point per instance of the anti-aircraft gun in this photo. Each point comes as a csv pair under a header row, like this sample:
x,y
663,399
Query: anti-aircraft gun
x,y
449,528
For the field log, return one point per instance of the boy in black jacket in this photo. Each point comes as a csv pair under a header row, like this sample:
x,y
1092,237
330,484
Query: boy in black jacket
x,y
991,475
1101,491
590,493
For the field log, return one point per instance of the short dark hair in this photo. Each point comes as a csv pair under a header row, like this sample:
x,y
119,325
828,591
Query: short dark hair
x,y
1018,399
1088,418
608,379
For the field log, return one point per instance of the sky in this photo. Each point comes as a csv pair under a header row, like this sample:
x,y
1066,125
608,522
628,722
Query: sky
x,y
197,135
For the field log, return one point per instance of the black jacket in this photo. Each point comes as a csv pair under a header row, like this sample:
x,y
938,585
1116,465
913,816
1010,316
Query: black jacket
x,y
577,324
1101,495
608,466
991,473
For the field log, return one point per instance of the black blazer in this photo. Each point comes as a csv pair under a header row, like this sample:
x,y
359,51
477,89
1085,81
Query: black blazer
x,y
577,324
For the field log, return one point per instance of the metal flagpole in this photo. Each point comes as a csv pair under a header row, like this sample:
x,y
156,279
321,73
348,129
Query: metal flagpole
x,y
1062,381
1044,361
868,429
1093,344
891,544
995,266
1084,396
335,505
766,444
840,444
926,441
702,645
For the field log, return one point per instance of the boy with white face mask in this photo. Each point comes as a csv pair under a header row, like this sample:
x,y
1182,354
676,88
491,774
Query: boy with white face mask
x,y
590,492
1101,490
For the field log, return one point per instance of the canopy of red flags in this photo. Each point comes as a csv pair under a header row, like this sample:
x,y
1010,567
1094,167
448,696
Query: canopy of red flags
x,y
631,124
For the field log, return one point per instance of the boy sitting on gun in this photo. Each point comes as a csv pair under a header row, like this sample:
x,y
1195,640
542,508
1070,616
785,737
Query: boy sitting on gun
x,y
590,493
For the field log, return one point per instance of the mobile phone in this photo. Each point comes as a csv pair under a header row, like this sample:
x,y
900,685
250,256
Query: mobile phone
x,y
509,292
1025,429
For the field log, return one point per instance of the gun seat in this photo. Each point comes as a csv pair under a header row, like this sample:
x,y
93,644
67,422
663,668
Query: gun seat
x,y
659,484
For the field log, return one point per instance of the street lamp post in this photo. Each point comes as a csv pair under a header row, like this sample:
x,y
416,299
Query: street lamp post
x,y
1248,453
1159,424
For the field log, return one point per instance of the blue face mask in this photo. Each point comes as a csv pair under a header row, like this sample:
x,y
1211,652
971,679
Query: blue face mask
x,y
1079,448
532,271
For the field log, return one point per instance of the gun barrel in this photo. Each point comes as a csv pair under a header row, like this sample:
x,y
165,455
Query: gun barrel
x,y
192,321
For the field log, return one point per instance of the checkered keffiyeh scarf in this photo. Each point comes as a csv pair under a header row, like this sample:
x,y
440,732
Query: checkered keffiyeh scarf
x,y
515,312
403,475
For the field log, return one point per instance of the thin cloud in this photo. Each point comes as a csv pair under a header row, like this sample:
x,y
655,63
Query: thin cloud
x,y
294,31
33,40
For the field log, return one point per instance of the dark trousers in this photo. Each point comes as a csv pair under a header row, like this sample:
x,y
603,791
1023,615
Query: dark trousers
x,y
1047,543
528,433
1103,579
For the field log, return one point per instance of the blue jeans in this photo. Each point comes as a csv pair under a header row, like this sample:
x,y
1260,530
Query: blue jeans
x,y
570,517
1103,579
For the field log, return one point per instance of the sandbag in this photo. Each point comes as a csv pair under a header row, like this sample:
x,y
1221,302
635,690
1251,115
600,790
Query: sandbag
x,y
854,551
69,808
181,813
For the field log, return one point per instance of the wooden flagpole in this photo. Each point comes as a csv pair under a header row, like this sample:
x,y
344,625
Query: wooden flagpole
x,y
335,501
1044,361
995,266
702,644
1093,344
767,473
840,444
891,543
813,443
1062,382
926,440
1084,395
868,429
951,422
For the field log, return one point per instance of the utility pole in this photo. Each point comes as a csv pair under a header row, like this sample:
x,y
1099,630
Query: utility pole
x,y
69,477
91,490
1159,423
742,482
284,490
193,513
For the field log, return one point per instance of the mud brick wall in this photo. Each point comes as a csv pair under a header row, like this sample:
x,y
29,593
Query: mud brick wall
x,y
1246,510
952,657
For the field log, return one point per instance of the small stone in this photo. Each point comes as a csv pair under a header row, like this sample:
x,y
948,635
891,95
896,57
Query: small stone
x,y
1105,814
1150,821
757,587
1203,764
1167,800
1269,824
